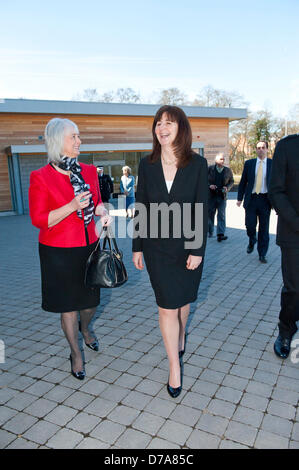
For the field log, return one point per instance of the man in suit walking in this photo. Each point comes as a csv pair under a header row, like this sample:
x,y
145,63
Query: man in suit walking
x,y
254,188
106,185
284,197
220,180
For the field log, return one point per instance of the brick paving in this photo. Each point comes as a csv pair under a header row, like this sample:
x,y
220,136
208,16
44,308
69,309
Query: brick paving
x,y
236,392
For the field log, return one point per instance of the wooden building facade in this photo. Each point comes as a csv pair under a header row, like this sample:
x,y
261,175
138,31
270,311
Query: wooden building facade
x,y
112,134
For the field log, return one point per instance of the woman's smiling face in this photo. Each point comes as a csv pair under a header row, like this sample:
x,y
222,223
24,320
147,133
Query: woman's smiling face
x,y
166,130
71,143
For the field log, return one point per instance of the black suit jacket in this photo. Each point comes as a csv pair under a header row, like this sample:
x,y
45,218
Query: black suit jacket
x,y
106,187
284,190
247,180
190,185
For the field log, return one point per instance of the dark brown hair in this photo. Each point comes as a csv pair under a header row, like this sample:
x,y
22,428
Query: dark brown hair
x,y
263,142
183,141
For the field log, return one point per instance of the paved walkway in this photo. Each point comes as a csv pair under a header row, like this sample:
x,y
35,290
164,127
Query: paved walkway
x,y
236,392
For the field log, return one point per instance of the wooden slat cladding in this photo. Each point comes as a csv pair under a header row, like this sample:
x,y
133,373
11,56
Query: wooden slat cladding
x,y
5,195
18,129
214,134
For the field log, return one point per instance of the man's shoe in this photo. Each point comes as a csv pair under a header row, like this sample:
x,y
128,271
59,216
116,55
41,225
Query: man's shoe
x,y
210,235
250,248
282,347
263,259
221,237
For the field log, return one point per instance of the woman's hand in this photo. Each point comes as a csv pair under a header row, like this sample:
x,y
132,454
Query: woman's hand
x,y
106,220
137,260
81,201
193,262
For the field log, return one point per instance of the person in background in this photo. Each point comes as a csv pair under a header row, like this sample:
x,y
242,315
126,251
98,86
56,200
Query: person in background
x,y
127,184
253,187
64,196
284,197
221,180
106,185
172,175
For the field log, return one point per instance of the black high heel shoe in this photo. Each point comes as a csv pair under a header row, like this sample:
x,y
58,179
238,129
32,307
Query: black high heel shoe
x,y
94,345
174,392
78,375
182,352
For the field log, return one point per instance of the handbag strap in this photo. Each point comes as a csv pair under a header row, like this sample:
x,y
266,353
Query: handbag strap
x,y
109,236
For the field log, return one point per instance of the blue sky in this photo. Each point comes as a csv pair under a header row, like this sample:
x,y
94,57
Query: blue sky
x,y
56,49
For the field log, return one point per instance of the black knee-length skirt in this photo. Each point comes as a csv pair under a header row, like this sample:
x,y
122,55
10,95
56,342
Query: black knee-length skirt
x,y
62,279
174,285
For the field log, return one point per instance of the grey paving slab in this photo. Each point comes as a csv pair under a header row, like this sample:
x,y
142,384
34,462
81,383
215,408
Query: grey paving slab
x,y
202,440
133,439
108,431
236,392
65,439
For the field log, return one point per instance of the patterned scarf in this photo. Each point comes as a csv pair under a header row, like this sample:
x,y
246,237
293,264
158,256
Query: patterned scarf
x,y
79,185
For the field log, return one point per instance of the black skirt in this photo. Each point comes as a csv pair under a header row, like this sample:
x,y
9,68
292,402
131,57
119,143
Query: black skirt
x,y
174,285
62,278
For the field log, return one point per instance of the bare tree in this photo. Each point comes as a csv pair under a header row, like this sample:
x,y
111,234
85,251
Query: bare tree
x,y
90,94
121,95
127,95
291,121
172,96
210,96
108,97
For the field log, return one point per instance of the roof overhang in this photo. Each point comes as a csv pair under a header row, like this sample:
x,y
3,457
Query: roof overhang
x,y
111,109
91,148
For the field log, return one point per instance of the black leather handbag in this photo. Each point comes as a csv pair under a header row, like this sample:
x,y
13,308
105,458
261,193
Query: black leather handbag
x,y
105,267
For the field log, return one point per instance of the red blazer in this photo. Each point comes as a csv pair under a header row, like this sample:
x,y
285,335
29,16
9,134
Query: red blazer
x,y
50,190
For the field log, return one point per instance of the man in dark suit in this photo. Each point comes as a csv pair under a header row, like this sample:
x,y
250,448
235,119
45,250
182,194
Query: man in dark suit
x,y
220,180
284,197
254,188
106,184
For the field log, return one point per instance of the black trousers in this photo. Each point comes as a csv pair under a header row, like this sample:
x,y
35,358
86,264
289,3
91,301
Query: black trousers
x,y
258,210
289,312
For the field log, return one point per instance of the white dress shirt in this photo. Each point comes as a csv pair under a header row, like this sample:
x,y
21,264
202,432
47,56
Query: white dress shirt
x,y
264,188
169,184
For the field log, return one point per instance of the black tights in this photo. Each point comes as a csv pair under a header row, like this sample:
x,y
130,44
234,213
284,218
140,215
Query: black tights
x,y
70,327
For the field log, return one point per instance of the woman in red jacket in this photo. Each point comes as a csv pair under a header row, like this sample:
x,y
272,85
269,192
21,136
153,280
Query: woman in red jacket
x,y
64,196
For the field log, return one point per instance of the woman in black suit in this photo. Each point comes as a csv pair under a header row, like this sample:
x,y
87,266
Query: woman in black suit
x,y
174,177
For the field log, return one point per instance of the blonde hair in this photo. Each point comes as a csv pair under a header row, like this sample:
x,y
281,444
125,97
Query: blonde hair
x,y
127,168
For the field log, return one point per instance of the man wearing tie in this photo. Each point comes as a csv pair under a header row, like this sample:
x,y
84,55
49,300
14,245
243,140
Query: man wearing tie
x,y
254,188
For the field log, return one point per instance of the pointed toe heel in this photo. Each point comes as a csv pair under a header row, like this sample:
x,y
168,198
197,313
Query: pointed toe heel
x,y
174,392
94,345
78,375
182,352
